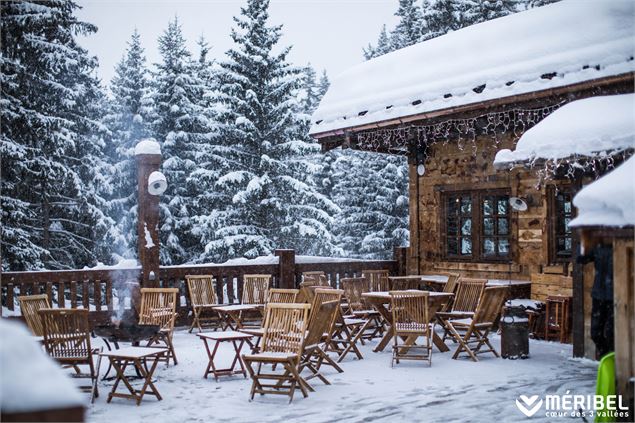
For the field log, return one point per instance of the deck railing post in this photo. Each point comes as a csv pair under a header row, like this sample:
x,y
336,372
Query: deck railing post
x,y
400,255
287,268
148,157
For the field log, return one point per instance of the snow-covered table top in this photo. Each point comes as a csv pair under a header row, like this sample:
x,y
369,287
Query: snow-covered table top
x,y
135,352
225,336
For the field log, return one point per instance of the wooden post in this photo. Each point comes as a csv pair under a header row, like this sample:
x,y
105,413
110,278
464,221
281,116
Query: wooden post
x,y
148,156
577,302
287,268
624,312
400,255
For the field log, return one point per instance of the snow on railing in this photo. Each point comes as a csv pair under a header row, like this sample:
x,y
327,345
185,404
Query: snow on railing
x,y
104,289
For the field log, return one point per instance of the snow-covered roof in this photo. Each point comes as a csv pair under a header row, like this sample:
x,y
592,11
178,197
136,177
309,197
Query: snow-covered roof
x,y
609,201
590,127
147,146
30,380
551,46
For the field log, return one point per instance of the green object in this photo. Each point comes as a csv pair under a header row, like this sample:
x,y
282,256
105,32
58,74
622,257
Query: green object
x,y
605,385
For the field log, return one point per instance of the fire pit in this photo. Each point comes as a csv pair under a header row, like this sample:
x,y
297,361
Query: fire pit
x,y
124,331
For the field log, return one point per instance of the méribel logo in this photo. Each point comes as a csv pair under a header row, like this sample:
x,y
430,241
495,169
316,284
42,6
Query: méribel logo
x,y
528,405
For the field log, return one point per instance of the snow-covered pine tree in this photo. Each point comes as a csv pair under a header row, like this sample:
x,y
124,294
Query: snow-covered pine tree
x,y
408,30
443,16
268,203
183,128
210,160
128,121
382,47
50,141
371,190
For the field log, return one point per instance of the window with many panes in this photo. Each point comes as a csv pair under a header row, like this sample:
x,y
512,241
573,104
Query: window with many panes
x,y
561,214
477,225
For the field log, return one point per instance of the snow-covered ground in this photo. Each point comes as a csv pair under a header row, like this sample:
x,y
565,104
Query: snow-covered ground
x,y
368,390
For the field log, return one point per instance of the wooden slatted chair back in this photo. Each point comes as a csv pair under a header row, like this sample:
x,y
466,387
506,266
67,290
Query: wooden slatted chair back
x,y
410,311
255,289
468,293
353,290
66,334
279,295
377,280
285,327
201,290
490,305
158,307
321,322
452,283
316,278
403,285
307,290
30,305
323,295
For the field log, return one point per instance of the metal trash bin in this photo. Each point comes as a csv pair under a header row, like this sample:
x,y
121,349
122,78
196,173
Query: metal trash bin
x,y
514,325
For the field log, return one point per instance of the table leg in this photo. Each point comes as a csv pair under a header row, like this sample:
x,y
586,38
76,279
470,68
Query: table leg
x,y
237,358
148,380
387,315
120,368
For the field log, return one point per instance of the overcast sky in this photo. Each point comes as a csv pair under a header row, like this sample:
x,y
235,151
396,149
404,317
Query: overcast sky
x,y
328,33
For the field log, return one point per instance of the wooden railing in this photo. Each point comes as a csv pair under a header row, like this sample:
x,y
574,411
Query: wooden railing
x,y
103,291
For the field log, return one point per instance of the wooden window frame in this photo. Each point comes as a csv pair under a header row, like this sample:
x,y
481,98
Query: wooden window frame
x,y
477,197
552,219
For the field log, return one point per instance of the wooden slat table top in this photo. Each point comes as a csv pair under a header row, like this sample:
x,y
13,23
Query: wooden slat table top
x,y
443,279
385,295
225,336
238,307
135,352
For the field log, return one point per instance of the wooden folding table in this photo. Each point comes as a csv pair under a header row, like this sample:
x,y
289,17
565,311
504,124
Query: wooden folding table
x,y
237,339
138,357
381,301
232,315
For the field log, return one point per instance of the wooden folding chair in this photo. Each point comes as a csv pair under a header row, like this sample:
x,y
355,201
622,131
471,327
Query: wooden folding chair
x,y
285,296
158,307
318,276
282,344
357,308
341,339
30,305
467,296
203,300
471,332
255,289
320,357
410,321
377,280
450,287
320,324
67,340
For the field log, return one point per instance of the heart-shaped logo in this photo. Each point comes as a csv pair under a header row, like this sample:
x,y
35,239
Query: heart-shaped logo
x,y
528,405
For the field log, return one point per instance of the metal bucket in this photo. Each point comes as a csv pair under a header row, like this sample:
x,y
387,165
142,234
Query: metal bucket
x,y
514,325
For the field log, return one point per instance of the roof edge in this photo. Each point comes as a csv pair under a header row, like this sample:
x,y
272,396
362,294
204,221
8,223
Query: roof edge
x,y
501,101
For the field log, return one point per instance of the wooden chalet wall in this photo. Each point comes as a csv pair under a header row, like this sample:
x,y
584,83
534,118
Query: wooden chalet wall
x,y
449,167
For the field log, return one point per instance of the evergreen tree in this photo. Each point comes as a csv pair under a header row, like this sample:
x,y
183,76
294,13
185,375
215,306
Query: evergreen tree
x,y
408,30
183,127
371,190
50,141
383,45
128,121
268,203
